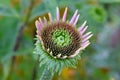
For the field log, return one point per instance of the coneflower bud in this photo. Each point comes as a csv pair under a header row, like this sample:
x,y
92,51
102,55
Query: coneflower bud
x,y
60,42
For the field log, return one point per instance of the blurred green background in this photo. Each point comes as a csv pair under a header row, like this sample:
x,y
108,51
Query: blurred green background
x,y
100,61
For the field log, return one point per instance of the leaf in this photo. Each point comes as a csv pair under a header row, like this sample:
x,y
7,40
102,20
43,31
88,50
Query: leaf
x,y
8,11
8,32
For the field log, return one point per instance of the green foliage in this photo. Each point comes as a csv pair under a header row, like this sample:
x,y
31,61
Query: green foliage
x,y
8,32
7,11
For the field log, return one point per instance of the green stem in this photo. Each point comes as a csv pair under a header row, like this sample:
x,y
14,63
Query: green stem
x,y
46,75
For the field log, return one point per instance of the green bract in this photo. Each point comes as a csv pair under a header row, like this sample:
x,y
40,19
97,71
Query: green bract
x,y
54,65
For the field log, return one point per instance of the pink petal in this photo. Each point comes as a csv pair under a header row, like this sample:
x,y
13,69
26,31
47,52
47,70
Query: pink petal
x,y
50,17
88,37
57,14
85,44
82,26
41,22
82,31
76,20
73,17
65,14
38,26
45,20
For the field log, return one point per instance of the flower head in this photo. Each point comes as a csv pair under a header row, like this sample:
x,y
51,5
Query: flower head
x,y
60,42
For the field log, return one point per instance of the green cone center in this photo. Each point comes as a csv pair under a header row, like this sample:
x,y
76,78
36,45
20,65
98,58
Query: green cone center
x,y
61,38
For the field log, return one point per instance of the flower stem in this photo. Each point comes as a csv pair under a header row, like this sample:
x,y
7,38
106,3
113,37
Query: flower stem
x,y
46,75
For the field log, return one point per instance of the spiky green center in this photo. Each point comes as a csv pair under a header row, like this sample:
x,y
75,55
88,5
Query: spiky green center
x,y
61,38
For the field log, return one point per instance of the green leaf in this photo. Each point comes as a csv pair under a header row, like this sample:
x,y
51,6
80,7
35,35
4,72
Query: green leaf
x,y
8,11
8,32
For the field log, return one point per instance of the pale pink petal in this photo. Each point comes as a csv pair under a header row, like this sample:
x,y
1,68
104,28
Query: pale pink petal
x,y
88,37
84,45
73,17
57,14
82,31
38,26
64,15
41,22
45,21
76,20
50,17
82,26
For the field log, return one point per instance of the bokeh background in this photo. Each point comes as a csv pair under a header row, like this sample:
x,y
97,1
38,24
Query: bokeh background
x,y
99,61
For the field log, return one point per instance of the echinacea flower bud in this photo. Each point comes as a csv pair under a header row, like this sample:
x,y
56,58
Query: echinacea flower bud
x,y
59,43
